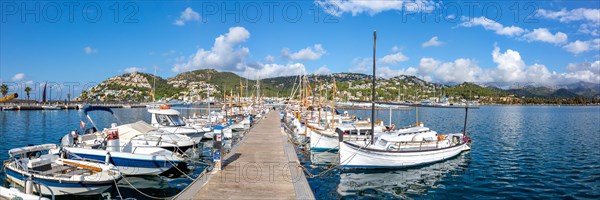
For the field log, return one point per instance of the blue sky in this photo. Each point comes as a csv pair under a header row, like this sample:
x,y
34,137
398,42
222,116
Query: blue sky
x,y
547,42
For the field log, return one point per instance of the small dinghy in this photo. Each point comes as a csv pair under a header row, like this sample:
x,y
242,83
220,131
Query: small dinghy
x,y
43,164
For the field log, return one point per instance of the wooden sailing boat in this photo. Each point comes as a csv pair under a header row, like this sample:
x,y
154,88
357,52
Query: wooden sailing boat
x,y
410,146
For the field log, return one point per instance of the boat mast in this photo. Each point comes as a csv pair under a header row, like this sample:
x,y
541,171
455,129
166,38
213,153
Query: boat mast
x,y
333,106
154,86
373,90
208,100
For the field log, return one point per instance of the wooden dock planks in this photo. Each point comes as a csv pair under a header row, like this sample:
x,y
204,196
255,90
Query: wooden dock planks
x,y
263,166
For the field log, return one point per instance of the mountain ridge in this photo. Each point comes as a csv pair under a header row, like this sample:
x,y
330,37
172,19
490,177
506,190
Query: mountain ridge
x,y
137,86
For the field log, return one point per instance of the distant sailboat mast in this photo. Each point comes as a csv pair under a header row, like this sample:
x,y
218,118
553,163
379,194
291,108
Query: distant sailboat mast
x,y
154,86
44,93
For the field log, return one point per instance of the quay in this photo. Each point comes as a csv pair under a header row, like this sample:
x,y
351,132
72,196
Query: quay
x,y
10,107
263,165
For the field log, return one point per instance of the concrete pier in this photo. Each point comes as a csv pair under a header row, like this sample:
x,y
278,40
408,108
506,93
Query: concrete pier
x,y
262,166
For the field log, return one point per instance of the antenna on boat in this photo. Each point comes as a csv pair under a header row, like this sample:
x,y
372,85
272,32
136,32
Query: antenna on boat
x,y
373,89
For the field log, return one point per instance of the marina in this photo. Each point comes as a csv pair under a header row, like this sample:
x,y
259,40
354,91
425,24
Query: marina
x,y
513,145
318,99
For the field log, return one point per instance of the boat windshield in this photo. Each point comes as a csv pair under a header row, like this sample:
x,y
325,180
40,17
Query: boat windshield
x,y
176,120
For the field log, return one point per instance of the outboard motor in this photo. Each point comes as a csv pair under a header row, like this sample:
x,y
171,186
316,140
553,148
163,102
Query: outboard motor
x,y
112,138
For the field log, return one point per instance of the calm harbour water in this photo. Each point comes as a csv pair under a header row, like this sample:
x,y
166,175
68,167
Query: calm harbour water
x,y
523,152
518,152
21,128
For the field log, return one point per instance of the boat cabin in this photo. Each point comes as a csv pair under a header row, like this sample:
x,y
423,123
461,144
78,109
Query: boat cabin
x,y
165,116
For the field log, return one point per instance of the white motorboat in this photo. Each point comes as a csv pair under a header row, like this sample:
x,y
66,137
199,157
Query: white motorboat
x,y
51,107
43,164
138,134
166,119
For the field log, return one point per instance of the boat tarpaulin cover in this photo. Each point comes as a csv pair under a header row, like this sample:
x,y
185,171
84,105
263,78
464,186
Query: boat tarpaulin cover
x,y
22,150
87,109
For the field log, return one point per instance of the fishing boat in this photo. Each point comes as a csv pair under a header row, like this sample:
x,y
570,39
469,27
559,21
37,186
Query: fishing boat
x,y
43,164
138,134
325,140
128,158
403,148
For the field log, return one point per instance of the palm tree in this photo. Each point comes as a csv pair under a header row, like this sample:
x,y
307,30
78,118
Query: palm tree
x,y
27,90
4,89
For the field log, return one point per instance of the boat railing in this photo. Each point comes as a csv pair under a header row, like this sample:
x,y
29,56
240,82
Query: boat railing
x,y
407,144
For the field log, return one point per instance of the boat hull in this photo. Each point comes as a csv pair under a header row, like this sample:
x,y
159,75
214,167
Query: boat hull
x,y
321,142
353,156
62,187
131,164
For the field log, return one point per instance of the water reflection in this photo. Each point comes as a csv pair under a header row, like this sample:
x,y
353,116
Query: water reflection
x,y
398,183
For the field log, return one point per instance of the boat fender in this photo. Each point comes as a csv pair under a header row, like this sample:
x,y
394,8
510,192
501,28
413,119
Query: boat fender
x,y
107,158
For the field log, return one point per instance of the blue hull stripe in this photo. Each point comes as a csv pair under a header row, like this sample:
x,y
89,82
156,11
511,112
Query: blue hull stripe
x,y
128,162
317,149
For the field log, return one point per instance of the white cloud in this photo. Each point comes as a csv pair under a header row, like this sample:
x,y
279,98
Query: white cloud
x,y
510,69
543,35
587,72
433,42
356,7
510,65
187,15
269,58
18,77
89,50
309,53
361,65
393,59
578,14
226,54
134,69
578,46
387,72
461,70
323,70
274,70
492,25
590,29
